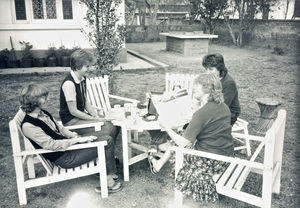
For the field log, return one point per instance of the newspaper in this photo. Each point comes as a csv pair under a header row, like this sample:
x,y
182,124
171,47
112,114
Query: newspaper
x,y
175,108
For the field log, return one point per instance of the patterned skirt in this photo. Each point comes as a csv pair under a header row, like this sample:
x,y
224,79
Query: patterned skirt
x,y
195,178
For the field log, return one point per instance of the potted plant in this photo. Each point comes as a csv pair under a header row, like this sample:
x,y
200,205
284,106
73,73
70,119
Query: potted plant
x,y
4,56
38,62
52,56
12,61
27,56
64,56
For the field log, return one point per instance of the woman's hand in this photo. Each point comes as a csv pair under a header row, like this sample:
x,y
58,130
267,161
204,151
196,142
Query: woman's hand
x,y
86,139
74,135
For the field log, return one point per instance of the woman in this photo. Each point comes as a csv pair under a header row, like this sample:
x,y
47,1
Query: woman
x,y
44,132
209,131
214,63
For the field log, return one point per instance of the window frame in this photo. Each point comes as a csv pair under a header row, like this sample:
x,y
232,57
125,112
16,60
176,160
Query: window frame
x,y
30,15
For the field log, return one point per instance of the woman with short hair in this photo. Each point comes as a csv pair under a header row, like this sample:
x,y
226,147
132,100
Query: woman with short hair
x,y
44,132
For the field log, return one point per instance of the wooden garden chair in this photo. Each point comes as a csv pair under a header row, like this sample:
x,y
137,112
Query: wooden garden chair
x,y
25,155
185,81
232,180
98,94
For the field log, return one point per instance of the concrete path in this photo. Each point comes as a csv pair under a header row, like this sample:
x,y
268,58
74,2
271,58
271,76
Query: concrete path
x,y
135,61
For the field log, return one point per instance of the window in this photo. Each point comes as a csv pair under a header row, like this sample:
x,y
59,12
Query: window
x,y
39,10
67,9
20,9
44,9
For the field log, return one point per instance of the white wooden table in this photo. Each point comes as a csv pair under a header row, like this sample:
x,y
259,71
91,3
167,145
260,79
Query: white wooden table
x,y
130,129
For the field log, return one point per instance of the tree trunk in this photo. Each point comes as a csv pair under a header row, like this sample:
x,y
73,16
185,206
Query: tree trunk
x,y
226,18
265,12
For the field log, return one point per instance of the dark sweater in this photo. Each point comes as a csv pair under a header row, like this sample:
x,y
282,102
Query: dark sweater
x,y
230,93
210,126
64,112
37,122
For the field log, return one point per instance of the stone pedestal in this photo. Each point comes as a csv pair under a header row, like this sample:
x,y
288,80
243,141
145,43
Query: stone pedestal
x,y
188,43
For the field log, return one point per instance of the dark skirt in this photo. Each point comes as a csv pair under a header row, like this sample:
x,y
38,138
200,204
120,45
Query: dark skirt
x,y
195,180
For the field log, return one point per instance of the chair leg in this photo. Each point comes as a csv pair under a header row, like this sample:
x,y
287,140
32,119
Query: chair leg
x,y
135,136
30,167
247,142
20,180
103,174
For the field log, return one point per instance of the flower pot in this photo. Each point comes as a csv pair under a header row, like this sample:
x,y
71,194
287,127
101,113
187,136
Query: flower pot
x,y
38,62
26,63
65,61
12,64
2,64
51,61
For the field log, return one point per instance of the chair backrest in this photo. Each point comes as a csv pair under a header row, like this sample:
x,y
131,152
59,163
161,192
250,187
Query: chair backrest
x,y
183,81
17,135
274,139
97,93
274,148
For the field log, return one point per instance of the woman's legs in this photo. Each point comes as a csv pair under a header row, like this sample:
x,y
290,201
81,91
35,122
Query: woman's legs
x,y
157,164
74,158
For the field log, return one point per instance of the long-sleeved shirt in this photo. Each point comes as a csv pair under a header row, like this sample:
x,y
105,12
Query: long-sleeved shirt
x,y
230,94
42,139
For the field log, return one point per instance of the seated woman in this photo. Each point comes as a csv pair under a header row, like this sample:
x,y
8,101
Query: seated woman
x,y
210,131
44,132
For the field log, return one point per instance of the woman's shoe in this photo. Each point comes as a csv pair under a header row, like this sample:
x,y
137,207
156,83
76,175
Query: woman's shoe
x,y
152,149
117,186
152,169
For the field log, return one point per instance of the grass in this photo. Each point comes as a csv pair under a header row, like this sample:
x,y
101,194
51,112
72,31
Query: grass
x,y
258,73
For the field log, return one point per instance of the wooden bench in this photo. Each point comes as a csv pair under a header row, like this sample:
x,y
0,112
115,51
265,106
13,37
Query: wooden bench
x,y
25,155
232,180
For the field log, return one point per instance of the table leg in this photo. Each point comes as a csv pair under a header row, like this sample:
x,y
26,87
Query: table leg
x,y
125,153
129,139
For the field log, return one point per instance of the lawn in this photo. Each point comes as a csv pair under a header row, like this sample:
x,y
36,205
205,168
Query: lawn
x,y
258,73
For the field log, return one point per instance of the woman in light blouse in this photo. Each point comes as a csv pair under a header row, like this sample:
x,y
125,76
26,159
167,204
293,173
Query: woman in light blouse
x,y
44,132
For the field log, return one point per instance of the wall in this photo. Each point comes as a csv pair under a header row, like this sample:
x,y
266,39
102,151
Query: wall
x,y
137,34
44,33
266,33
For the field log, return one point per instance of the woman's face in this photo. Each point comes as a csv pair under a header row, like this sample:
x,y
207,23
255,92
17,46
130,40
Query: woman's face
x,y
43,100
198,92
213,70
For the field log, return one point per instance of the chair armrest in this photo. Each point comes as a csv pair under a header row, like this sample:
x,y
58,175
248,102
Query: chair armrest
x,y
242,121
97,125
123,98
250,137
223,158
73,147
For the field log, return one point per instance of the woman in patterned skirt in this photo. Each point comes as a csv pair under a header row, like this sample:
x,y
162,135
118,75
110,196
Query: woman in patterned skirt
x,y
209,131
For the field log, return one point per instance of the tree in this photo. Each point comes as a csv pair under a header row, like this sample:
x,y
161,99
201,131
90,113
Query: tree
x,y
131,6
207,11
152,6
246,10
104,32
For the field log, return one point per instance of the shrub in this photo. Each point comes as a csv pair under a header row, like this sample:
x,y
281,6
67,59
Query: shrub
x,y
26,50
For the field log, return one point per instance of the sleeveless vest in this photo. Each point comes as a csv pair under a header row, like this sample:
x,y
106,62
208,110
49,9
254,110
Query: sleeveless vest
x,y
54,135
64,112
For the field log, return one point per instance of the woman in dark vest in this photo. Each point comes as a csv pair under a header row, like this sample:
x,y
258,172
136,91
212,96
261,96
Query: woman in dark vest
x,y
44,132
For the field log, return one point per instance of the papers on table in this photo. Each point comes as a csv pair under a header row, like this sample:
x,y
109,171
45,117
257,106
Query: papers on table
x,y
175,109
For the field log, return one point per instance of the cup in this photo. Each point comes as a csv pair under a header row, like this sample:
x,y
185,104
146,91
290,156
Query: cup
x,y
133,110
127,109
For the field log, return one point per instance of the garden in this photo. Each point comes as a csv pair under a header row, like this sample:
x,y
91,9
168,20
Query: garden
x,y
258,73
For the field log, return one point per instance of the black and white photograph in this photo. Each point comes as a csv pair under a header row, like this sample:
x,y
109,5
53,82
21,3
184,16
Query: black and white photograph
x,y
149,103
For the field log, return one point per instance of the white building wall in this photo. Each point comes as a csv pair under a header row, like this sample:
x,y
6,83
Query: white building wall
x,y
43,33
